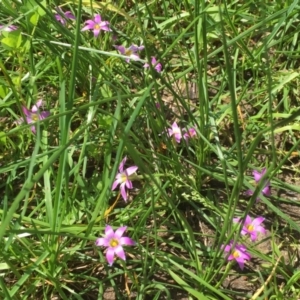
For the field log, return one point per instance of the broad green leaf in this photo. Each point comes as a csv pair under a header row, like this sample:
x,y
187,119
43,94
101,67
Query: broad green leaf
x,y
32,4
3,91
34,18
12,40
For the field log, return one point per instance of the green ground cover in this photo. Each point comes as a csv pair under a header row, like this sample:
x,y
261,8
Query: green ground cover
x,y
149,149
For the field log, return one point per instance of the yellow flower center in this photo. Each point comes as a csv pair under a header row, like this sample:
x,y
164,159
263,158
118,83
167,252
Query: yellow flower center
x,y
250,227
128,52
113,243
34,117
124,177
235,254
96,26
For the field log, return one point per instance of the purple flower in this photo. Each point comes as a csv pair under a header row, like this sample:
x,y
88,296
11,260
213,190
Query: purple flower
x,y
123,178
114,243
266,191
190,133
34,115
66,15
176,132
131,52
96,25
157,66
239,253
8,28
251,227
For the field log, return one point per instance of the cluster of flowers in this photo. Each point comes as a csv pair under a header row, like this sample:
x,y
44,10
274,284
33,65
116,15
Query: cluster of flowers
x,y
114,240
33,115
131,52
96,25
239,252
179,133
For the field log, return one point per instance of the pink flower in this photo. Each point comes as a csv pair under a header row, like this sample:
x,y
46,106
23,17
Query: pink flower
x,y
8,28
157,66
190,133
176,132
239,253
34,115
251,227
131,52
63,16
114,243
96,25
123,178
266,191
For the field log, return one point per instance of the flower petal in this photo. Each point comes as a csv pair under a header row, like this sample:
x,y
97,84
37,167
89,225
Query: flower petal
x,y
123,191
69,15
175,127
121,49
120,252
115,184
109,232
120,231
253,236
134,57
121,166
128,184
257,176
227,248
127,241
33,129
44,114
90,25
26,112
102,242
97,19
240,261
38,104
129,171
105,26
267,190
110,256
177,137
96,31
257,221
248,220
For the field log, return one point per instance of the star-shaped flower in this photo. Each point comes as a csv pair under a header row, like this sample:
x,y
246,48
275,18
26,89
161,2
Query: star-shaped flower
x,y
266,191
238,253
157,66
34,114
190,133
63,16
252,227
175,131
131,52
123,178
114,241
96,25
